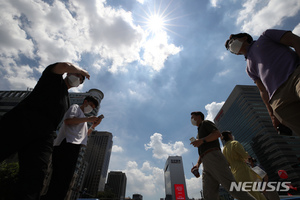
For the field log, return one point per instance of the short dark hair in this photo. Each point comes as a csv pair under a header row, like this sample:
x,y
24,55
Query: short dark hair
x,y
239,35
198,113
92,99
225,135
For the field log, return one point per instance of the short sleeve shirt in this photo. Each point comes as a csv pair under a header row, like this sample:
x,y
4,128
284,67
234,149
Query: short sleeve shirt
x,y
204,129
270,61
75,133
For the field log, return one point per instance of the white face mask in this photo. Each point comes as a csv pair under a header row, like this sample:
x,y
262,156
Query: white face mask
x,y
193,122
235,46
74,81
88,109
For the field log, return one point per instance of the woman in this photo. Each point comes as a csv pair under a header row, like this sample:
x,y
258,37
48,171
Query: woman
x,y
236,157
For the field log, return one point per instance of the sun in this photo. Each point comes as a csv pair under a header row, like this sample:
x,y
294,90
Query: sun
x,y
158,18
155,23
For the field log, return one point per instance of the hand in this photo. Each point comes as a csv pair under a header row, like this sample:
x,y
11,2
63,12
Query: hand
x,y
195,167
98,121
85,73
92,119
197,143
275,122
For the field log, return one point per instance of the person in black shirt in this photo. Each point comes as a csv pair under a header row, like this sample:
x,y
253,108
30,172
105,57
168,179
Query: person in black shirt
x,y
29,128
215,166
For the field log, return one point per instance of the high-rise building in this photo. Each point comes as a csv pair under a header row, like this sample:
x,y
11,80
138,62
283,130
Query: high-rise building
x,y
137,197
97,155
116,183
175,186
246,116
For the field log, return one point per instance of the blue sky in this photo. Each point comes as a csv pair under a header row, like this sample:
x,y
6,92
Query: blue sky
x,y
152,77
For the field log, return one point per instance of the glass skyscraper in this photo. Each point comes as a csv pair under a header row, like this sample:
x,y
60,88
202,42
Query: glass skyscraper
x,y
246,116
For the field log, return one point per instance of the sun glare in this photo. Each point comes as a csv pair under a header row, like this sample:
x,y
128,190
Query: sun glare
x,y
158,18
155,23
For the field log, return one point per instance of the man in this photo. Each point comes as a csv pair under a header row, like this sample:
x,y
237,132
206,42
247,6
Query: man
x,y
236,156
215,167
72,134
29,127
274,67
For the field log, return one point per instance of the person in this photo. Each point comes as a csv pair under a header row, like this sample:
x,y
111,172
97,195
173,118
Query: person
x,y
72,134
29,128
236,156
274,67
215,167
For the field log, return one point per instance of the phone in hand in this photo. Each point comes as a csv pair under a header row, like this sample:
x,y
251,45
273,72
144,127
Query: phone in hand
x,y
101,117
192,139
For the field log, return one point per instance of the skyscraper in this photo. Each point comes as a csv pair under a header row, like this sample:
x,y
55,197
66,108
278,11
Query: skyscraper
x,y
245,115
97,156
175,186
116,183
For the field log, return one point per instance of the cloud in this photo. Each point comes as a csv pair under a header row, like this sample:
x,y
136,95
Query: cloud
x,y
139,181
116,149
255,20
161,150
214,3
213,109
297,30
44,34
157,50
193,186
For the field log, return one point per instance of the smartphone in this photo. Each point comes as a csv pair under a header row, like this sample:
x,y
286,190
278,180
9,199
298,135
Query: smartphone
x,y
192,139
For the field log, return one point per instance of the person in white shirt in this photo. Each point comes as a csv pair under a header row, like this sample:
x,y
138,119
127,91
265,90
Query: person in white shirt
x,y
72,134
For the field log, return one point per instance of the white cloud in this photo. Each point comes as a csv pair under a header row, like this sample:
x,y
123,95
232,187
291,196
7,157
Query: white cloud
x,y
140,1
65,31
116,149
194,186
161,150
157,50
215,3
297,30
139,181
213,109
255,21
224,73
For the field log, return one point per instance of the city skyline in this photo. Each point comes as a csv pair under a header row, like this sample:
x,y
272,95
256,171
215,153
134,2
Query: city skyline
x,y
156,61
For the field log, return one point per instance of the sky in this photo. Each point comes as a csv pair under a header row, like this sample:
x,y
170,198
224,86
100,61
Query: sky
x,y
156,61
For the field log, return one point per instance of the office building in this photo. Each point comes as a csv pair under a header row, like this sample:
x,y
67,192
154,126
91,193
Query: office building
x,y
175,186
9,99
137,197
116,183
97,155
246,116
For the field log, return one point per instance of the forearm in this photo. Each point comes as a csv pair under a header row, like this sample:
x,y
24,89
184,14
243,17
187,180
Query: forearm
x,y
75,120
66,67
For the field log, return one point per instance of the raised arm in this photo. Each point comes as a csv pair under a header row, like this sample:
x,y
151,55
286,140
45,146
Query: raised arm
x,y
65,67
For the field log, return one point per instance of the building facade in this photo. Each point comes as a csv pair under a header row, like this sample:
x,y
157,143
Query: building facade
x,y
246,116
116,183
175,186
